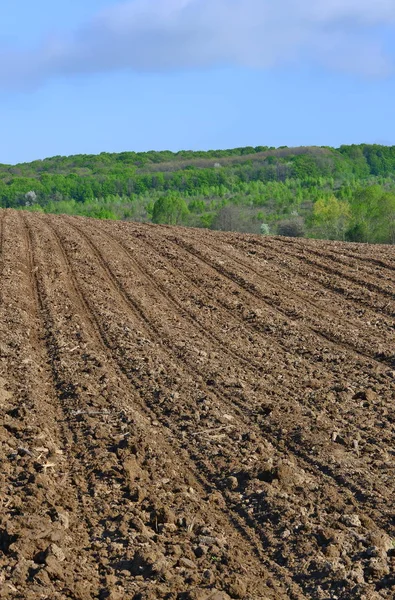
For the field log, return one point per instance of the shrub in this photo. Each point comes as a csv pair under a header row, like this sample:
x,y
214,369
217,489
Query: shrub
x,y
357,233
291,228
170,210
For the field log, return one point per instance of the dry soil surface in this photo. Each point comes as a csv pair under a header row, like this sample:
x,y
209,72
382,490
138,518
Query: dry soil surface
x,y
194,415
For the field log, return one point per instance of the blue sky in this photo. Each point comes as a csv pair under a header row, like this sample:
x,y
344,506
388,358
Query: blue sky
x,y
89,76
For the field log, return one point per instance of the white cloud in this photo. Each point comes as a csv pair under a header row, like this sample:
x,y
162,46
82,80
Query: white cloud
x,y
158,35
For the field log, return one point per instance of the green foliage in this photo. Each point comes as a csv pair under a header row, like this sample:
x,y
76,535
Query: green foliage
x,y
170,209
102,213
373,211
197,206
265,229
345,193
331,217
357,233
35,208
206,220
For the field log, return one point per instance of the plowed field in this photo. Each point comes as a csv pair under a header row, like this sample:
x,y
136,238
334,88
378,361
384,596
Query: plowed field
x,y
194,415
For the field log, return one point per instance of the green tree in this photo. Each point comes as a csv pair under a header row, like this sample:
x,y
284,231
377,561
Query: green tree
x,y
170,210
387,218
331,217
373,212
358,232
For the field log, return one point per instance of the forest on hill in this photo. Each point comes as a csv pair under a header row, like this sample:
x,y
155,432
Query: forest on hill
x,y
321,192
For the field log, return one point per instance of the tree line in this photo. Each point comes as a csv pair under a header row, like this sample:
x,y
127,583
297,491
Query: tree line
x,y
346,193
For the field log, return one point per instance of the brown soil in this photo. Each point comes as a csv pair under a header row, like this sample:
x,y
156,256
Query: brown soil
x,y
194,415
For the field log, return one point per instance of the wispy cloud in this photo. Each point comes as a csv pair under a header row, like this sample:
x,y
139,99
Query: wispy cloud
x,y
160,35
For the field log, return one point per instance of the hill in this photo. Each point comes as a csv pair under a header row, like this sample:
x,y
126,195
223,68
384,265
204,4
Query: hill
x,y
193,415
346,193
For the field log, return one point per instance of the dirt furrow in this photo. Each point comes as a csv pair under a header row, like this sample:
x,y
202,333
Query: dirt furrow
x,y
134,373
298,264
120,338
167,298
264,561
207,306
324,289
372,261
226,581
331,265
335,248
201,444
43,507
2,219
182,284
251,291
321,376
329,310
276,301
72,414
359,289
361,253
236,299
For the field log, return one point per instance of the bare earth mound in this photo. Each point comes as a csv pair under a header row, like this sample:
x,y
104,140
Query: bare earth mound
x,y
194,415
